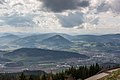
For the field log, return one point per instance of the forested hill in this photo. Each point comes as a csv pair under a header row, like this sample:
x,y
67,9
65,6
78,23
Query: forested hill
x,y
43,53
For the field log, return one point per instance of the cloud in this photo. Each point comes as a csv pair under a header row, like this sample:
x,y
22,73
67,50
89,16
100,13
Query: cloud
x,y
109,5
18,21
116,6
71,20
64,16
2,1
103,7
62,5
84,4
95,21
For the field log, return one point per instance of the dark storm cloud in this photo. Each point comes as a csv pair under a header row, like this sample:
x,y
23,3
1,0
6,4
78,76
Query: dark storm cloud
x,y
84,4
61,5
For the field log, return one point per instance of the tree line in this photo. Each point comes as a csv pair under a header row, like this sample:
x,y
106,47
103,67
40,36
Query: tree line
x,y
72,73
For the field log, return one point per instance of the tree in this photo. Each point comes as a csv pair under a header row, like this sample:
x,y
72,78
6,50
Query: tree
x,y
31,77
22,77
43,77
97,67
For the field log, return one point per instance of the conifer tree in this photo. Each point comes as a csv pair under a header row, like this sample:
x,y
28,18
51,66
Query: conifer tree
x,y
22,77
43,77
31,78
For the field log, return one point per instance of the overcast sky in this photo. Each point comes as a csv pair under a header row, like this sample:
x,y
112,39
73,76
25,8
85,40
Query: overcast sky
x,y
63,16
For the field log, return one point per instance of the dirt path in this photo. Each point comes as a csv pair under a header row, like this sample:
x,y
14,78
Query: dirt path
x,y
101,75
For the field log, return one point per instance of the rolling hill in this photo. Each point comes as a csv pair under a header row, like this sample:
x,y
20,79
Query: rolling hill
x,y
96,38
43,54
8,38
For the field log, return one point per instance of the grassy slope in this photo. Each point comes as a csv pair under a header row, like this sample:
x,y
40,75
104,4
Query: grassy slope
x,y
113,76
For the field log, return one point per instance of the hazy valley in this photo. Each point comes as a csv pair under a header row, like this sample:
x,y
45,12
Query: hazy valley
x,y
55,51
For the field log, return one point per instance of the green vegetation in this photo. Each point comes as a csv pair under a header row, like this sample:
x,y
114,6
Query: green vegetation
x,y
113,76
73,73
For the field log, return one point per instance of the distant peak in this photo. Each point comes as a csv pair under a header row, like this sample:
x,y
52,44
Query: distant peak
x,y
58,36
58,39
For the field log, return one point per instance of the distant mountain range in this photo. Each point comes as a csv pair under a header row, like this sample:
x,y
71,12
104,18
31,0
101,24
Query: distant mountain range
x,y
96,38
30,40
59,41
89,38
41,40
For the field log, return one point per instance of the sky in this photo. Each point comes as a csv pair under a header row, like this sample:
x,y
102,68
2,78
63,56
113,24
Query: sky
x,y
62,16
